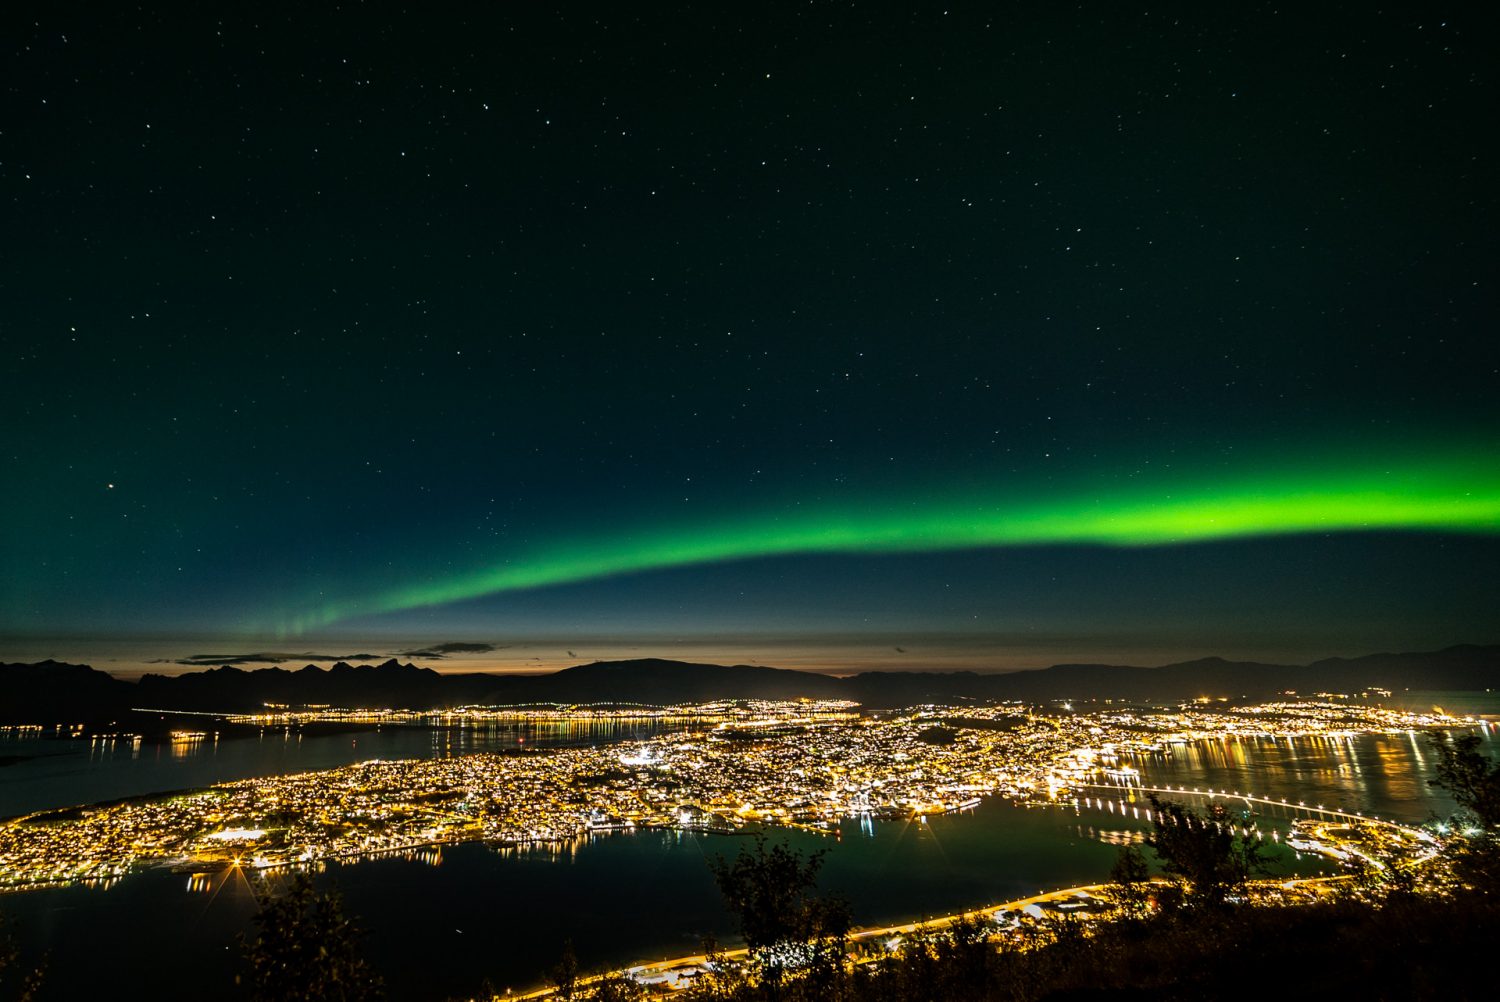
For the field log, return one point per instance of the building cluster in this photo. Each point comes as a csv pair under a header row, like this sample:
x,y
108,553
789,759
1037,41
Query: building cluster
x,y
717,711
1290,719
790,764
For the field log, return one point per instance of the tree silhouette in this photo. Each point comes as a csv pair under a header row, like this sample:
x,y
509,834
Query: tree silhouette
x,y
614,988
564,974
785,925
1474,781
1472,778
1130,883
306,949
1205,852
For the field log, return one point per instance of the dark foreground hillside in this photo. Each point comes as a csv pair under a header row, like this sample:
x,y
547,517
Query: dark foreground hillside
x,y
1417,949
1412,948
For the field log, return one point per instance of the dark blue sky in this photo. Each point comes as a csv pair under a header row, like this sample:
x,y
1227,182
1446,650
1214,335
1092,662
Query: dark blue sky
x,y
309,320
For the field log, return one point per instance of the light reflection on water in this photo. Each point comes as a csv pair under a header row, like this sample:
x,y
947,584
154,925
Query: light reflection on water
x,y
503,912
1389,775
63,772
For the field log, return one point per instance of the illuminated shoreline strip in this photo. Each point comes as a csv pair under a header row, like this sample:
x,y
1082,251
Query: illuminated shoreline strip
x,y
1455,496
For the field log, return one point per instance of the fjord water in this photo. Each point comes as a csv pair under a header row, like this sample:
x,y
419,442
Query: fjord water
x,y
43,772
440,923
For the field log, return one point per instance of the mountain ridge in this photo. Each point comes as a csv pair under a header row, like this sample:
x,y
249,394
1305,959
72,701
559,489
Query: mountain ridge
x,y
50,691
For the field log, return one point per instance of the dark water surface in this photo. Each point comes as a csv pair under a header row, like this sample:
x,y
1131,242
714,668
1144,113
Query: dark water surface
x,y
51,772
441,922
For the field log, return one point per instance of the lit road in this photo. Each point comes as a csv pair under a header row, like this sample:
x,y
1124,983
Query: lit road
x,y
1250,798
660,972
663,973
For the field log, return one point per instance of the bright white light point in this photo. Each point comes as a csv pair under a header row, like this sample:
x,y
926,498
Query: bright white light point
x,y
239,834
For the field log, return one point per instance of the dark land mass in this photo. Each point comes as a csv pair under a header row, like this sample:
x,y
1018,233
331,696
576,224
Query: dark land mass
x,y
50,692
1407,948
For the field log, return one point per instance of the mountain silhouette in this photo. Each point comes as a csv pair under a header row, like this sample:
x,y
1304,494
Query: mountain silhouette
x,y
53,692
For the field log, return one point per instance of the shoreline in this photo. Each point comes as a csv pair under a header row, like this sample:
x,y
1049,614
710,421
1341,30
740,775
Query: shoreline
x,y
666,966
187,865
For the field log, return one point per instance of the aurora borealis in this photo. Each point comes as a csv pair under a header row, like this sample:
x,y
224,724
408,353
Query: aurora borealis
x,y
1457,497
1102,333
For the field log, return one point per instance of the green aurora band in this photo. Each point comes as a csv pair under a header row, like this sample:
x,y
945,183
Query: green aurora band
x,y
1454,494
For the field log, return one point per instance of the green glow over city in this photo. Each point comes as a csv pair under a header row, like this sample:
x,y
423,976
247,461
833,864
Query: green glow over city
x,y
1455,493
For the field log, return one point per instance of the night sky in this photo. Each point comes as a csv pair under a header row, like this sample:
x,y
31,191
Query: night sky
x,y
817,334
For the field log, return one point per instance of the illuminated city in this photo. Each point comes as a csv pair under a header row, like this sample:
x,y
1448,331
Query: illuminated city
x,y
810,502
801,764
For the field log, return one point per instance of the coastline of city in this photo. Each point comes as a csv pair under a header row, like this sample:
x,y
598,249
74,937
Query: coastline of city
x,y
933,768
